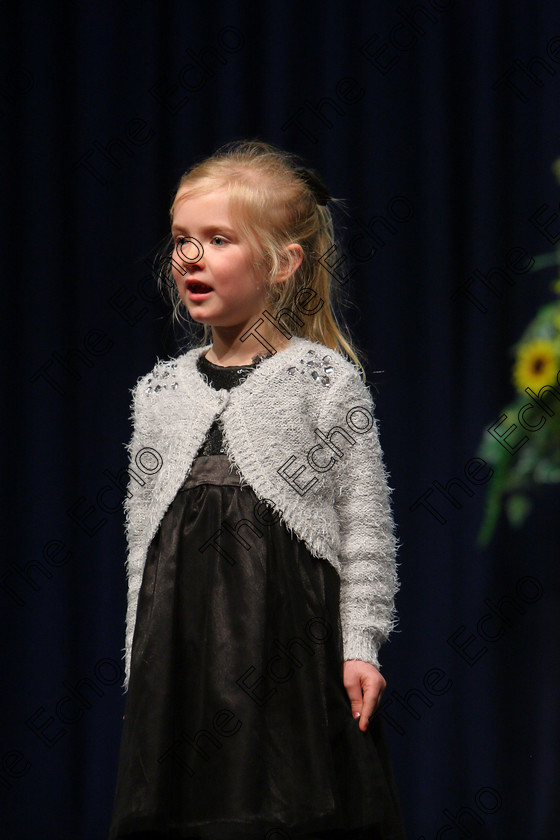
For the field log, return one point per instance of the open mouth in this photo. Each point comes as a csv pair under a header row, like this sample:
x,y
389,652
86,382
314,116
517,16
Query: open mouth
x,y
198,288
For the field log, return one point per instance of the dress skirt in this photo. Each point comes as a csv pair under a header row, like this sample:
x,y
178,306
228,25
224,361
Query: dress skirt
x,y
237,723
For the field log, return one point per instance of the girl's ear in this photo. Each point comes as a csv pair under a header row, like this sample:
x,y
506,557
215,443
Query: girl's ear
x,y
293,260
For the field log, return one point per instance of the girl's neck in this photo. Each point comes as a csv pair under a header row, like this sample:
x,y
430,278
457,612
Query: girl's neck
x,y
228,357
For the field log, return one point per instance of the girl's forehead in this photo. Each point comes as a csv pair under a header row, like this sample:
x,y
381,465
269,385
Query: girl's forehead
x,y
210,205
211,195
202,209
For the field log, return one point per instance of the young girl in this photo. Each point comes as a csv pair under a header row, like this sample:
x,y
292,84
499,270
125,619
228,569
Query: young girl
x,y
261,547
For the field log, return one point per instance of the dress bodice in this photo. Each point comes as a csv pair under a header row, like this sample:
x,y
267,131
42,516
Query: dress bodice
x,y
220,376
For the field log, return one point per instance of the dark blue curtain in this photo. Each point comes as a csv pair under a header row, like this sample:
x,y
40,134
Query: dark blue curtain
x,y
438,121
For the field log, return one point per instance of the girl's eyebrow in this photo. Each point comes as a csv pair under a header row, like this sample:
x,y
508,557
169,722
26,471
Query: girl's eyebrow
x,y
207,230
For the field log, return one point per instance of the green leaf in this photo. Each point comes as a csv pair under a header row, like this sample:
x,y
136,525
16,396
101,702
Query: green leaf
x,y
493,502
518,508
544,261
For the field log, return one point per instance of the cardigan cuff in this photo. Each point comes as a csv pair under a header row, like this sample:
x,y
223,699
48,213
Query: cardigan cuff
x,y
361,646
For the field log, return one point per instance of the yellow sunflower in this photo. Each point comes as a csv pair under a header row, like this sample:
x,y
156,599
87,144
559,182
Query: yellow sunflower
x,y
536,365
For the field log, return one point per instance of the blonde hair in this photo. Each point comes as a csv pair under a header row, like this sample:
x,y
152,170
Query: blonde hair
x,y
273,206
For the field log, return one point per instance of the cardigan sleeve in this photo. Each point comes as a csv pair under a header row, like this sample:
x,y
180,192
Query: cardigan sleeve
x,y
142,461
368,545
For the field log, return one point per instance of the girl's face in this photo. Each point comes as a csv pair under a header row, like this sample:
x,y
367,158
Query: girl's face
x,y
232,297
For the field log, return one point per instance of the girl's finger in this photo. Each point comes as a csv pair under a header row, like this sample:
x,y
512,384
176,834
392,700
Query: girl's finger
x,y
371,699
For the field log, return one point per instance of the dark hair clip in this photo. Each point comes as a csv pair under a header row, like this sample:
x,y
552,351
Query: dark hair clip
x,y
315,184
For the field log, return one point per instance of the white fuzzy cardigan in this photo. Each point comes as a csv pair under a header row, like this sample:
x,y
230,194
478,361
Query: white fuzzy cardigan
x,y
301,432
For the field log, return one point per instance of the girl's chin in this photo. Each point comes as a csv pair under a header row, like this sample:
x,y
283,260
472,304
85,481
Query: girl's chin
x,y
196,309
199,318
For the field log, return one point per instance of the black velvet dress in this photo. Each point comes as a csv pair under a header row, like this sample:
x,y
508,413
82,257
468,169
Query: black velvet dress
x,y
237,723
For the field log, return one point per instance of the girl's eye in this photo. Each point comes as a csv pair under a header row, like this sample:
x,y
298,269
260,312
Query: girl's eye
x,y
219,238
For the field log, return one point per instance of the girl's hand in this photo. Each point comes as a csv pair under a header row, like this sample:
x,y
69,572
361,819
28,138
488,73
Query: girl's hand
x,y
361,676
